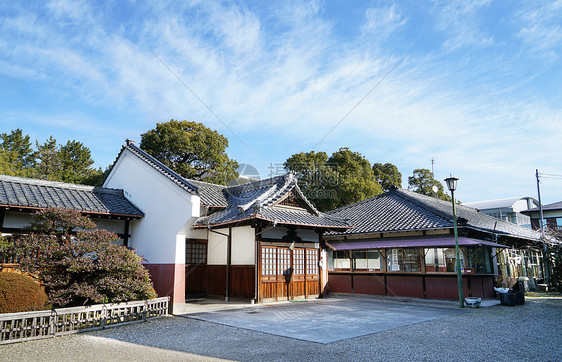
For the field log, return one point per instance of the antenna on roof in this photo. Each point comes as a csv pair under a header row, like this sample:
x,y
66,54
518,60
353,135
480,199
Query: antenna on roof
x,y
432,161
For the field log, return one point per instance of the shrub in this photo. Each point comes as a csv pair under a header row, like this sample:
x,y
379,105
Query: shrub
x,y
83,269
20,293
88,270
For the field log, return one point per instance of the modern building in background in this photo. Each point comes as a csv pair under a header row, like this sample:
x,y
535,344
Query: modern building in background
x,y
510,209
552,214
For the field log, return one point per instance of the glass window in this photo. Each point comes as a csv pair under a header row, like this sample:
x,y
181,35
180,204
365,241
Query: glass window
x,y
435,260
298,261
269,260
367,260
195,253
341,260
401,259
311,261
283,261
479,259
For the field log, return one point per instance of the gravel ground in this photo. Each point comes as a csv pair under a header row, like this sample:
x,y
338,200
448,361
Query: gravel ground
x,y
529,332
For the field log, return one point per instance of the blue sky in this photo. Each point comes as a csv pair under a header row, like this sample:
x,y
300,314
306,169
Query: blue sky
x,y
475,85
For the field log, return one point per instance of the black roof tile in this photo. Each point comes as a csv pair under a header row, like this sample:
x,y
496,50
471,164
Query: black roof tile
x,y
26,192
403,210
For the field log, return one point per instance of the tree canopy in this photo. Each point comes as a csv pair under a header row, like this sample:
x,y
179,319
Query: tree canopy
x,y
16,156
422,182
387,175
192,150
71,162
356,179
344,178
316,178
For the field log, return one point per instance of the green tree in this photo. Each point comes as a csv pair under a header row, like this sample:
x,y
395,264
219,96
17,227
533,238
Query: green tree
x,y
5,165
356,180
49,164
316,179
422,182
387,175
17,154
192,150
77,164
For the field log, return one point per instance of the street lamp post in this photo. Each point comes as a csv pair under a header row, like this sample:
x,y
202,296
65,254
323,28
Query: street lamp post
x,y
452,185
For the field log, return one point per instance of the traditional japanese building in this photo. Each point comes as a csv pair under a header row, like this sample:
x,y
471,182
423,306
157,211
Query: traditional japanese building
x,y
402,244
259,241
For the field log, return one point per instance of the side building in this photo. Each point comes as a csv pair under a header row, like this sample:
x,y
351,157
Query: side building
x,y
511,209
402,244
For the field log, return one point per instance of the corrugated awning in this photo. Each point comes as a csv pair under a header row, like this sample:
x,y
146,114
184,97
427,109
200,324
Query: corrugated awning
x,y
410,243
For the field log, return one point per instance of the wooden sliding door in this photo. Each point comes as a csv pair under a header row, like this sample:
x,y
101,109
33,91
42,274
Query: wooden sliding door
x,y
289,273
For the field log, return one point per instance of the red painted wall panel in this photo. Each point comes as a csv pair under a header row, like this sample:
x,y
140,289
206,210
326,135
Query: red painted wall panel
x,y
446,287
168,280
339,283
368,284
405,286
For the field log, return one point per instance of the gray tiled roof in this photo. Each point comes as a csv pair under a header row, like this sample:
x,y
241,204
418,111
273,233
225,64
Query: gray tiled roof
x,y
211,194
403,210
556,206
32,193
256,200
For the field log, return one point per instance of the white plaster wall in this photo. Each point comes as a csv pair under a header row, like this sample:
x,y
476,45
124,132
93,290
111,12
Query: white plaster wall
x,y
308,235
243,246
113,225
217,247
324,267
197,234
519,205
14,219
169,210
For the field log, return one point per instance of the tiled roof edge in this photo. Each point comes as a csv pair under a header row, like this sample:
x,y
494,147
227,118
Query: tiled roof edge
x,y
157,165
61,185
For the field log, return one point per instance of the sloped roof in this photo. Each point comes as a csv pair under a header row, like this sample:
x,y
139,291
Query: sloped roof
x,y
40,194
210,194
495,204
549,207
257,200
403,210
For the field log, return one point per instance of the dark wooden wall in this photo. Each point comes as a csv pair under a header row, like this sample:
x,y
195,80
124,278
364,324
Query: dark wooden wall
x,y
417,286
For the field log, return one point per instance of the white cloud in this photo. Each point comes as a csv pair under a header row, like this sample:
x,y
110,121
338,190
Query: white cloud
x,y
284,72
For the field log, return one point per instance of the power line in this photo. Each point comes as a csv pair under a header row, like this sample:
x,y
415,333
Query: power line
x,y
201,101
362,99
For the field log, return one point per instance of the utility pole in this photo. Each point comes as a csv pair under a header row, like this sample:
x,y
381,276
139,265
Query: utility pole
x,y
544,254
432,160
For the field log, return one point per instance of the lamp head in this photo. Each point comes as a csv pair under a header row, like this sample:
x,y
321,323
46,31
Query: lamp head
x,y
451,183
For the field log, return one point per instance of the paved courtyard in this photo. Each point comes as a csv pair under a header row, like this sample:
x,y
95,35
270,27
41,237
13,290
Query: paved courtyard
x,y
330,320
412,331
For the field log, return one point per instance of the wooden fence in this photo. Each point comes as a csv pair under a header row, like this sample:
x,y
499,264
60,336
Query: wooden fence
x,y
26,326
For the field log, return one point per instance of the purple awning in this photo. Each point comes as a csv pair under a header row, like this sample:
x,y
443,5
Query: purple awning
x,y
410,243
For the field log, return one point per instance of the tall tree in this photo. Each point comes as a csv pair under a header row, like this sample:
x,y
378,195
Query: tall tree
x,y
316,179
192,150
76,162
422,182
356,180
17,153
387,175
49,165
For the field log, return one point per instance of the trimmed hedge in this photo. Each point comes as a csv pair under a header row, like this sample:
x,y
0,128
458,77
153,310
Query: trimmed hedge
x,y
20,293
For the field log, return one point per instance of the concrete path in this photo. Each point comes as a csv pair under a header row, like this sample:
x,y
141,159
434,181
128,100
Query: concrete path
x,y
531,332
328,320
